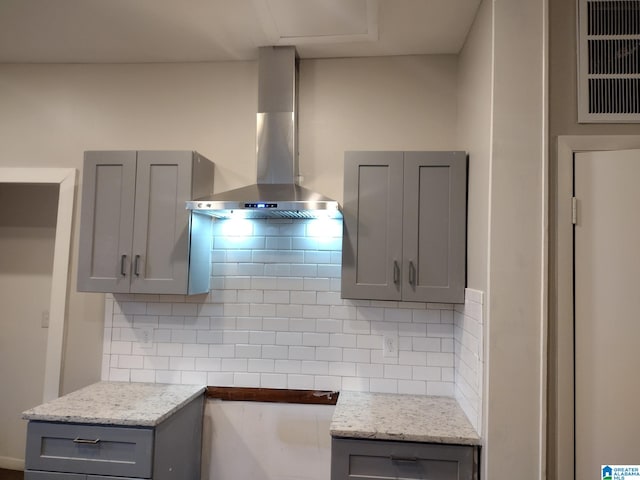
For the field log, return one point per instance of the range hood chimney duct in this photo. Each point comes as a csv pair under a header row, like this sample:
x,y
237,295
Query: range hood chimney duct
x,y
276,193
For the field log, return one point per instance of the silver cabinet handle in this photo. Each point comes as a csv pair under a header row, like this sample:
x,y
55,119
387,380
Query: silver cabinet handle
x,y
412,274
393,458
396,272
86,441
123,261
136,265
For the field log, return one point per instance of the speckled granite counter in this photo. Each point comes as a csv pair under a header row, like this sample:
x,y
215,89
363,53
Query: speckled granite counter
x,y
117,403
412,418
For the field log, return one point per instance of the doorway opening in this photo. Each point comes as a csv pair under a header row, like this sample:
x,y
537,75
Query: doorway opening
x,y
562,400
36,223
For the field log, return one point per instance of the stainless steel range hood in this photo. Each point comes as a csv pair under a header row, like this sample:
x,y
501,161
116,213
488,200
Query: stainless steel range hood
x,y
276,194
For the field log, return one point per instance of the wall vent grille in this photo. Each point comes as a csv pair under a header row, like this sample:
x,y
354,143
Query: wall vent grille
x,y
609,61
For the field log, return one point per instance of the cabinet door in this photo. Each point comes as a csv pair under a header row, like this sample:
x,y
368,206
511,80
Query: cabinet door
x,y
372,239
106,221
161,230
434,227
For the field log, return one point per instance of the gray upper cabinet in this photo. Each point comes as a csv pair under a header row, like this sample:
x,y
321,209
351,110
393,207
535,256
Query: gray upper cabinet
x,y
135,234
405,226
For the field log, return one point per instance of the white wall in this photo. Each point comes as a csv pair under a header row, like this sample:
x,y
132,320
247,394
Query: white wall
x,y
563,121
27,237
515,333
475,103
267,441
52,113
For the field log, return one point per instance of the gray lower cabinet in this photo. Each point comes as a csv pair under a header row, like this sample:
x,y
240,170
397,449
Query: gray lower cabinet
x,y
405,226
168,451
381,460
135,234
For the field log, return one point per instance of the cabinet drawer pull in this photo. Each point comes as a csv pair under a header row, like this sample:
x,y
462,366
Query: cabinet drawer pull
x,y
136,265
396,272
403,459
412,274
123,261
86,441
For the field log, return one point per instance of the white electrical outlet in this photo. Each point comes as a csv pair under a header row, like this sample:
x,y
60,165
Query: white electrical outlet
x,y
145,337
44,321
390,345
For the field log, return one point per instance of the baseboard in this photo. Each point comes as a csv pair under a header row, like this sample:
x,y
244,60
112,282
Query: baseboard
x,y
12,463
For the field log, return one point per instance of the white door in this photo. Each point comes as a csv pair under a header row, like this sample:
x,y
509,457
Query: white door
x,y
607,311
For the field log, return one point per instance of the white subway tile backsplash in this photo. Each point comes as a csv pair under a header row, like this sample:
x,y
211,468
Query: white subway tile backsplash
x,y
435,359
302,324
210,336
274,318
148,376
367,370
194,378
397,315
302,382
220,379
288,366
412,387
426,344
208,364
302,353
288,338
315,368
356,384
315,339
273,380
327,383
183,336
342,369
330,354
356,355
275,351
119,347
262,338
380,385
249,323
343,340
398,371
234,365
276,323
328,325
412,358
261,365
182,363
130,361
248,351
195,350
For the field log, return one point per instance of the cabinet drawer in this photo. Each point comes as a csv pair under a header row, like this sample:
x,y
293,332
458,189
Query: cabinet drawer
x,y
34,475
37,475
380,460
89,449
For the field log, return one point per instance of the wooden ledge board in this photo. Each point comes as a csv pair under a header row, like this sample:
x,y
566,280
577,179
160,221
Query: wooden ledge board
x,y
277,395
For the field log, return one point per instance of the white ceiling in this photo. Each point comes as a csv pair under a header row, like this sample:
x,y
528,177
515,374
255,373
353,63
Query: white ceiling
x,y
103,31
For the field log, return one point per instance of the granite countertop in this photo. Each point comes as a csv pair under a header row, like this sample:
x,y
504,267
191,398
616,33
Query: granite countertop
x,y
117,403
412,418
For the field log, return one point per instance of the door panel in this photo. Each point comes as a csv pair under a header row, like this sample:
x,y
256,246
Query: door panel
x,y
372,246
607,330
108,192
161,232
434,226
